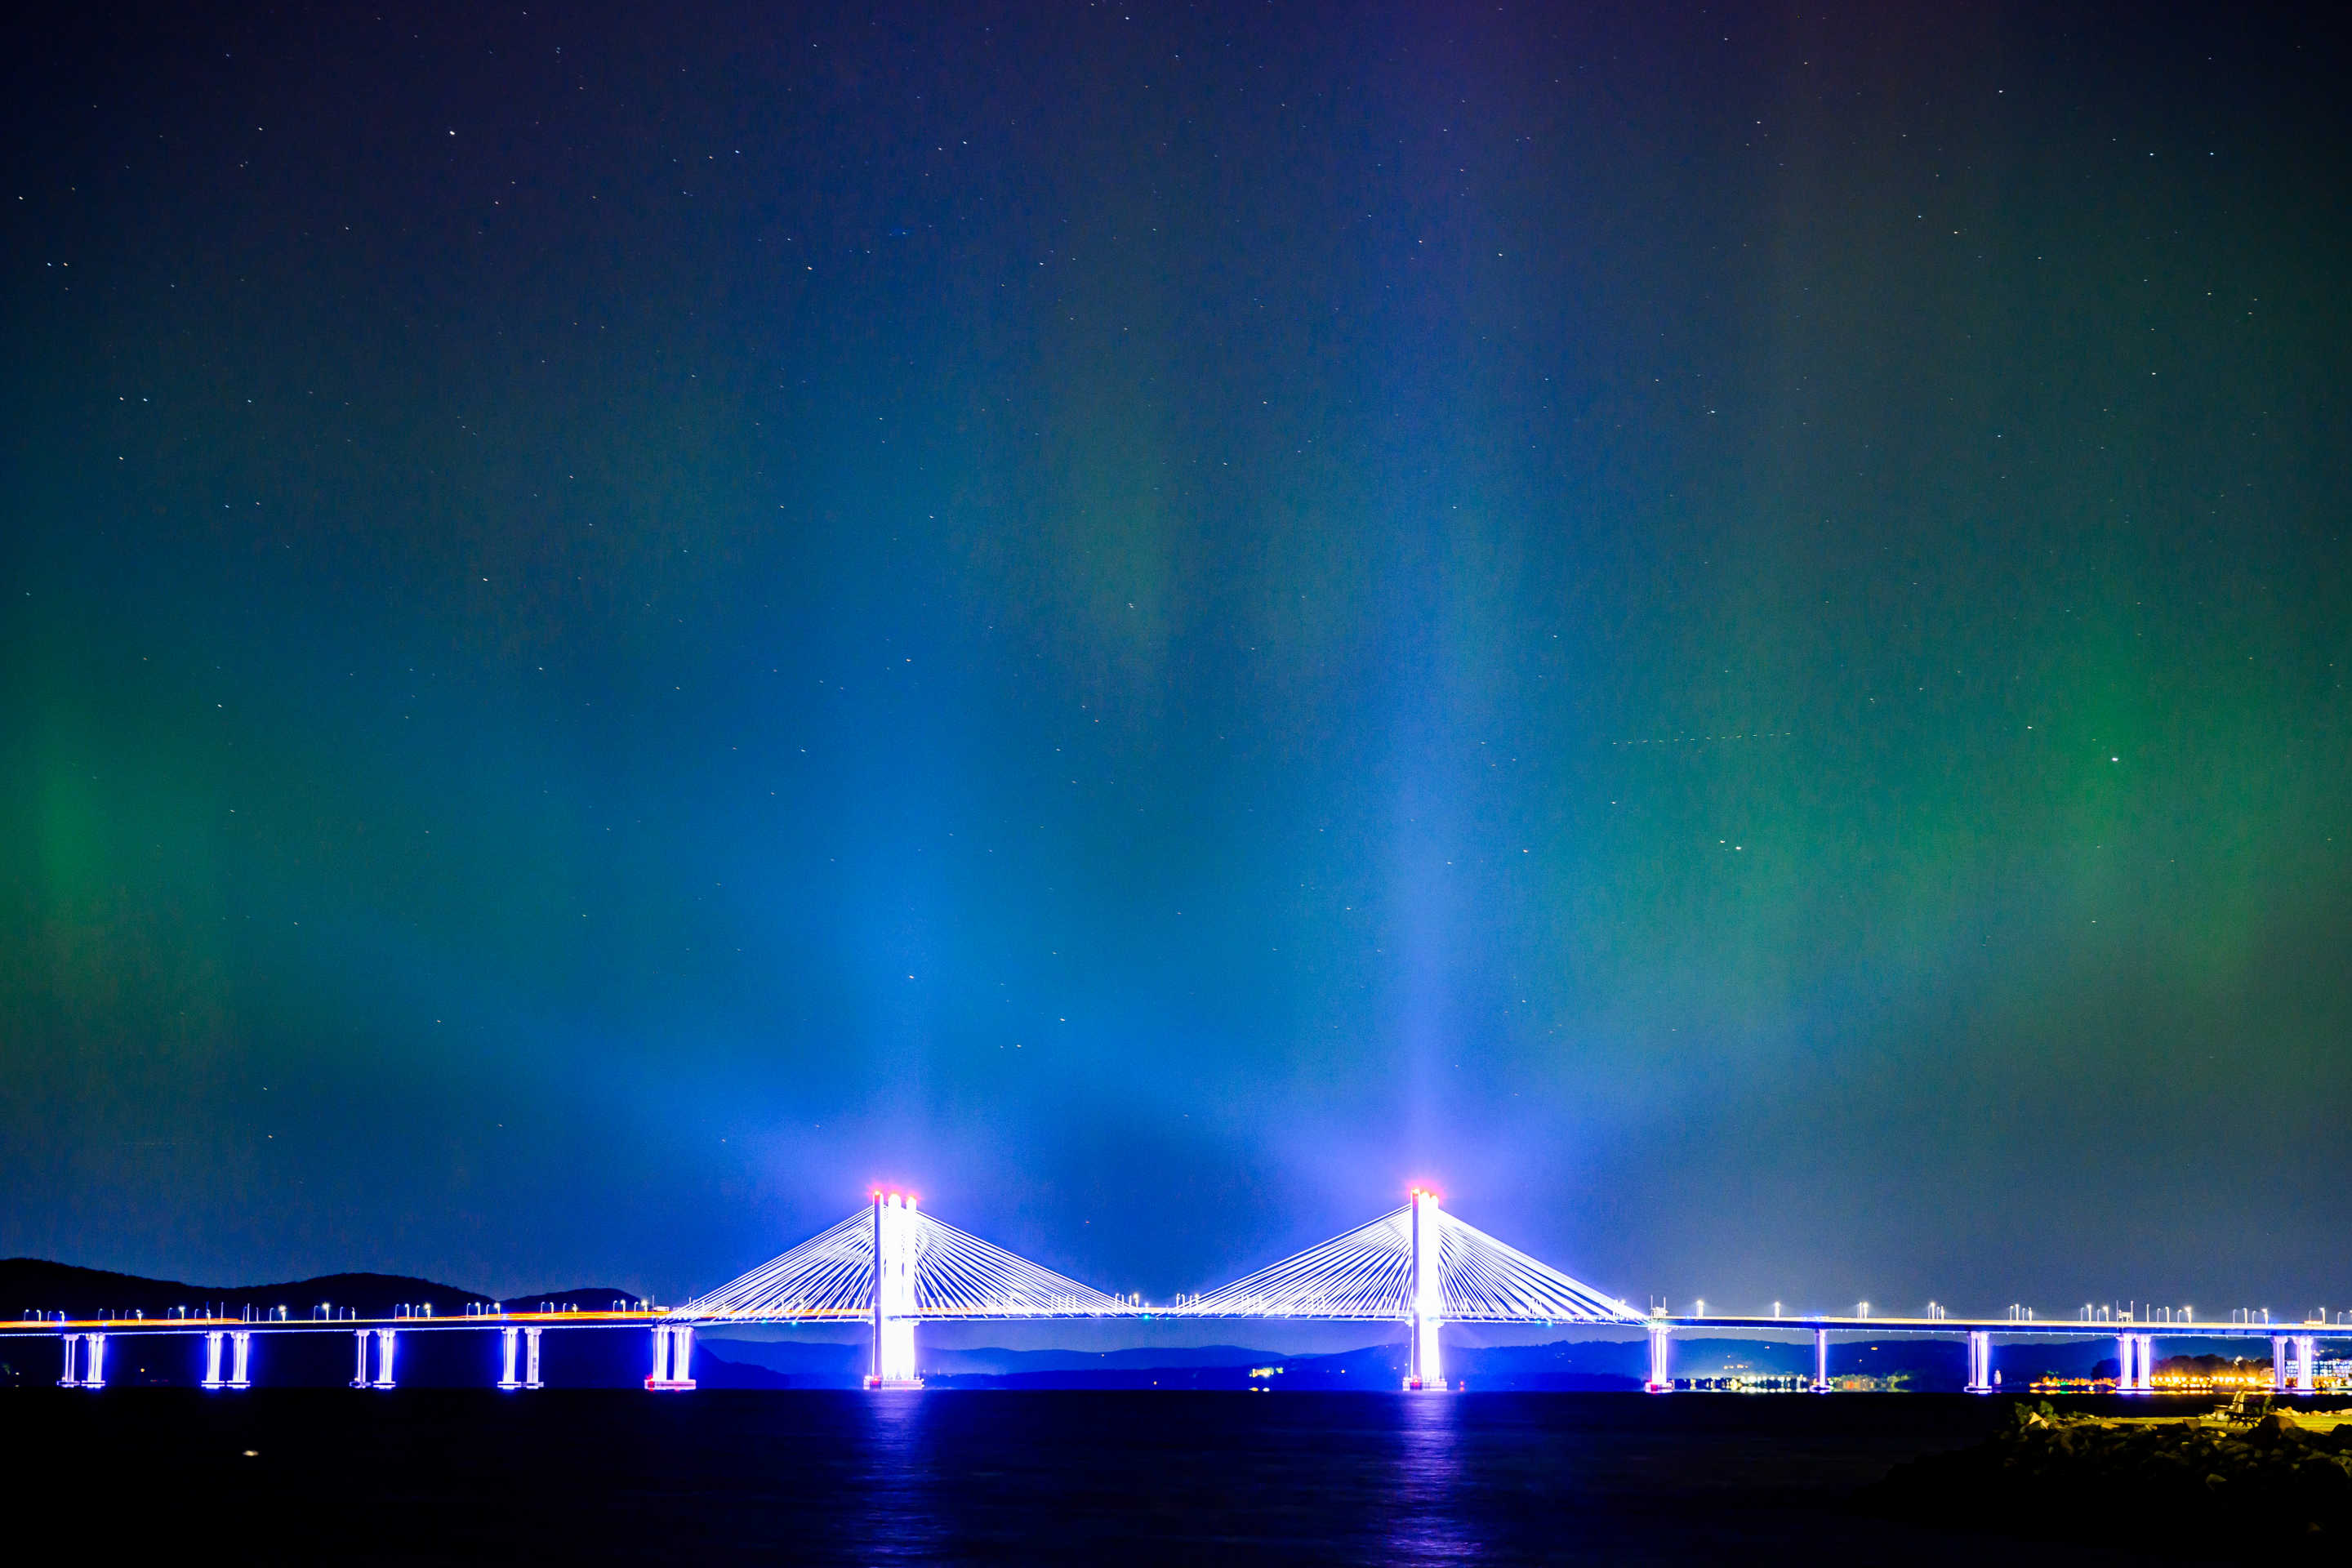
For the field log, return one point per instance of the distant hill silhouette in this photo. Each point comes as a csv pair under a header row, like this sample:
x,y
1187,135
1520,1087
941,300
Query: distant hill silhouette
x,y
32,1286
616,1357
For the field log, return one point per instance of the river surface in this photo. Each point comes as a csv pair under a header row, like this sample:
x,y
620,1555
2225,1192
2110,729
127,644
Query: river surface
x,y
1028,1478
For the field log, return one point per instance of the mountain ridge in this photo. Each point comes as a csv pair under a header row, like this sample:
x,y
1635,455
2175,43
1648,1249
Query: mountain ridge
x,y
33,1286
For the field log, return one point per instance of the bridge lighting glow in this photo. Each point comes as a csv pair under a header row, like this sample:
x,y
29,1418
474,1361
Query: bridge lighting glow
x,y
892,1265
1366,1276
1428,1292
829,1278
896,1242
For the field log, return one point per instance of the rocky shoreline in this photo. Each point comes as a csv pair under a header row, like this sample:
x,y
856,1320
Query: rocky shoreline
x,y
2227,1483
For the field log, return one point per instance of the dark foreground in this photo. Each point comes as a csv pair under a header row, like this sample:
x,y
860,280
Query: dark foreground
x,y
432,1476
2275,1483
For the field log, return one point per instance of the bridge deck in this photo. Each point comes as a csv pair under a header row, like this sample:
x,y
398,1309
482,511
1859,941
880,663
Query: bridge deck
x,y
1923,1327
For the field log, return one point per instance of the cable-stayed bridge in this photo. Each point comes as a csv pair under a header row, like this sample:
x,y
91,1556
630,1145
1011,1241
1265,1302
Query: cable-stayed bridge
x,y
896,1265
892,1265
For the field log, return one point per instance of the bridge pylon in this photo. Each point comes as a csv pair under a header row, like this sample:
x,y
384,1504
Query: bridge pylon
x,y
1427,1374
896,1239
888,1268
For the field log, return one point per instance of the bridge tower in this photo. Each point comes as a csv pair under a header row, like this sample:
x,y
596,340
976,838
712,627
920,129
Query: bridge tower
x,y
895,1237
1428,1294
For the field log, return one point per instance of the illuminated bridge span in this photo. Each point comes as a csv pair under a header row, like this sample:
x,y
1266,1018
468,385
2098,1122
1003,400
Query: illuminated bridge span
x,y
895,1265
891,1265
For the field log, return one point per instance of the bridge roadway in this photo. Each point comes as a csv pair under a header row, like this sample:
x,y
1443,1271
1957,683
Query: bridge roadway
x,y
895,1265
374,1340
83,1340
1931,1328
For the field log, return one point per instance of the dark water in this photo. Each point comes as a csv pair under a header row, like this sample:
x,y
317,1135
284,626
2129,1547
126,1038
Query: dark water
x,y
435,1476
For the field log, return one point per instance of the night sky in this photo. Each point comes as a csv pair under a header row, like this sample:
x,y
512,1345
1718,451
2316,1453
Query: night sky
x,y
1725,633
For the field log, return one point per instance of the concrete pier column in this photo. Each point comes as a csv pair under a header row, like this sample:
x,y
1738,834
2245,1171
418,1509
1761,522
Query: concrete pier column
x,y
1820,1360
1980,1362
2278,1363
360,1373
385,1340
673,1358
2146,1380
506,1338
2307,1351
73,1348
530,1358
240,1358
93,1369
213,1358
1661,1381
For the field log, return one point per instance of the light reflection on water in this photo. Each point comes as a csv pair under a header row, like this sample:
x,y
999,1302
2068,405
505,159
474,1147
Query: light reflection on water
x,y
1045,1478
1308,1480
895,1481
1429,1523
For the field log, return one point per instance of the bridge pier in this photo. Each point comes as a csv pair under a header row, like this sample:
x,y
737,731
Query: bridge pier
x,y
211,1378
89,1350
1820,1360
529,1338
1427,1373
1660,1382
1980,1362
384,1360
672,1359
240,1345
893,1364
2292,1357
